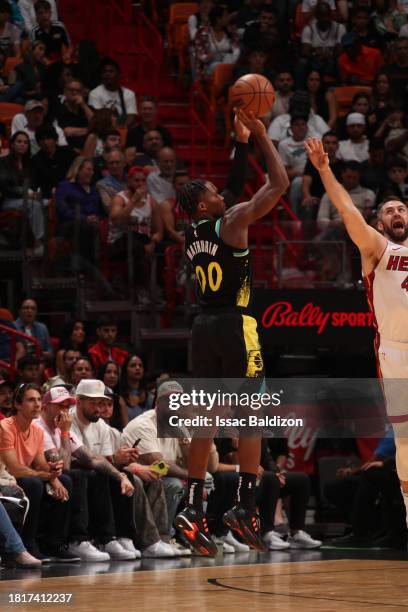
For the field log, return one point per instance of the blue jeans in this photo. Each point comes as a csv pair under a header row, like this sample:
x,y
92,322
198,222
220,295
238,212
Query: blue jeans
x,y
174,491
10,541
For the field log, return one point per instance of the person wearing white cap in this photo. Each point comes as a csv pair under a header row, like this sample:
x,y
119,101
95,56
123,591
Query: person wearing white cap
x,y
356,148
31,119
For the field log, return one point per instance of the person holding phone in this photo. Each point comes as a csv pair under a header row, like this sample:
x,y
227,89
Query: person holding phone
x,y
22,452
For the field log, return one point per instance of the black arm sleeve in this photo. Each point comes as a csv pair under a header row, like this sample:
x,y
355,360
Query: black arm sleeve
x,y
236,178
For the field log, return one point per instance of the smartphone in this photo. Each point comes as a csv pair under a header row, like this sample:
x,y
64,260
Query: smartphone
x,y
160,466
136,442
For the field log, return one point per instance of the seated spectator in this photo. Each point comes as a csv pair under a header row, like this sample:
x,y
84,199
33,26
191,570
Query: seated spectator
x,y
9,88
364,28
73,338
22,452
148,116
27,323
31,73
70,356
360,490
52,162
363,199
16,176
247,15
309,9
160,182
152,144
152,448
276,482
396,135
133,387
299,104
6,319
74,115
373,172
12,550
199,19
110,94
381,102
396,180
360,104
77,191
398,70
254,61
93,515
115,181
134,209
312,186
387,19
105,350
358,64
213,44
9,33
58,75
6,397
52,33
109,373
320,44
322,100
175,220
101,140
265,32
28,369
355,148
81,369
283,83
32,118
27,9
293,154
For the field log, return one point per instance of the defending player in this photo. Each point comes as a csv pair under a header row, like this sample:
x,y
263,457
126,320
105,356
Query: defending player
x,y
224,338
385,267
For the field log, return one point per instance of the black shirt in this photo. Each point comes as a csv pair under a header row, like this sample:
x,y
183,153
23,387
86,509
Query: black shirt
x,y
223,273
135,137
316,188
48,172
53,40
67,118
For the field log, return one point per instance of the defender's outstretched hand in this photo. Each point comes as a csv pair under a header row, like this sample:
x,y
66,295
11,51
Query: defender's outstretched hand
x,y
316,153
252,123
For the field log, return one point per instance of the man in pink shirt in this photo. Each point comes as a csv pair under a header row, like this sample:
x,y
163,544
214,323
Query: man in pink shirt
x,y
48,490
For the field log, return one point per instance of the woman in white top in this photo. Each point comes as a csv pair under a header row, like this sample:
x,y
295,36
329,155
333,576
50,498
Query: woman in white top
x,y
136,210
199,19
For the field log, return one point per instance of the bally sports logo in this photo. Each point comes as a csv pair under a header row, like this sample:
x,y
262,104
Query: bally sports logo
x,y
282,314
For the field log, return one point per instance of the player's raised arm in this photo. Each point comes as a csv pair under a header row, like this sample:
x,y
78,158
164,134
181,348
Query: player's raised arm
x,y
268,196
367,239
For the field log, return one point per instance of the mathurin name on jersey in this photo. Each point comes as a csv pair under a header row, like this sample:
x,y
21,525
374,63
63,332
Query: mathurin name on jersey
x,y
251,420
202,246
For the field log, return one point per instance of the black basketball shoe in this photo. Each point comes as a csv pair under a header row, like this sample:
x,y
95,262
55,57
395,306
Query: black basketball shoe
x,y
193,526
246,524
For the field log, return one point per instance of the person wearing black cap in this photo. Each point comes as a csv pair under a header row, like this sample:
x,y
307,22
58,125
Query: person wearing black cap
x,y
358,64
110,94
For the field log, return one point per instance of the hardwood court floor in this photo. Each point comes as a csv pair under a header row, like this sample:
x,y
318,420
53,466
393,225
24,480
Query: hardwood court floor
x,y
342,585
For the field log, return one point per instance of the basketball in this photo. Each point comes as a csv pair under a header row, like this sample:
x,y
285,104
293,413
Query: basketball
x,y
252,92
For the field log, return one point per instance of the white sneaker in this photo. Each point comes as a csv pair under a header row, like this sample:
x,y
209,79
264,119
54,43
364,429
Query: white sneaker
x,y
227,549
182,551
274,541
159,550
301,539
237,546
86,551
128,545
117,552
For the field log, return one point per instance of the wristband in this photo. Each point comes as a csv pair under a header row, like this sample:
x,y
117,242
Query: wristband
x,y
237,468
65,434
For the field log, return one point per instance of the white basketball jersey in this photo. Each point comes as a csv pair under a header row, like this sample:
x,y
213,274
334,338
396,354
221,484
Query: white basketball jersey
x,y
387,291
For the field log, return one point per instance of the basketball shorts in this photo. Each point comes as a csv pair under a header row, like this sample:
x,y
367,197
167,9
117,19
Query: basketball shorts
x,y
226,346
393,362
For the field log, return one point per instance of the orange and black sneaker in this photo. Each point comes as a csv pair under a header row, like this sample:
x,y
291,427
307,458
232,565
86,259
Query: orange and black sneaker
x,y
246,524
193,526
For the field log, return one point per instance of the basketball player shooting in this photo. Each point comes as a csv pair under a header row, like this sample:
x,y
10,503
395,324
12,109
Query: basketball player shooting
x,y
384,256
224,337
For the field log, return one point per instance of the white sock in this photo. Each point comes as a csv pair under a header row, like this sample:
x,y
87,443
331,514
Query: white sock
x,y
405,498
